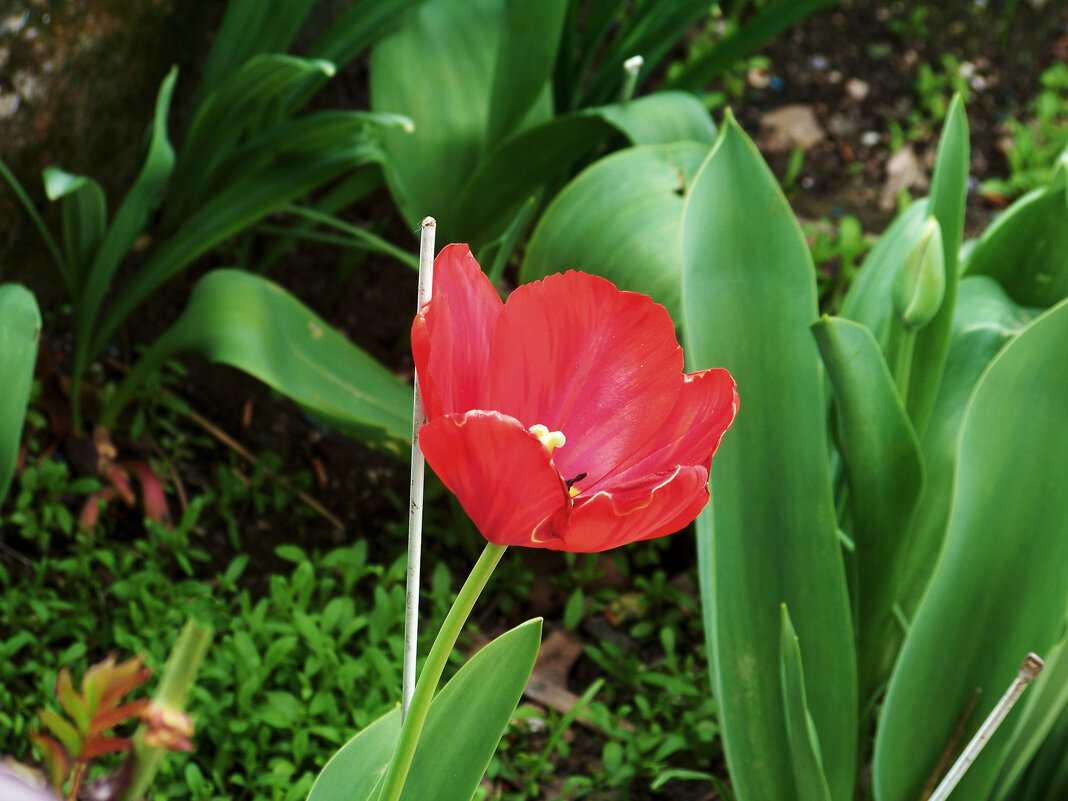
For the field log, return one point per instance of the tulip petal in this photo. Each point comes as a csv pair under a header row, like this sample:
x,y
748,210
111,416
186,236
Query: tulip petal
x,y
641,510
577,355
691,433
500,472
451,335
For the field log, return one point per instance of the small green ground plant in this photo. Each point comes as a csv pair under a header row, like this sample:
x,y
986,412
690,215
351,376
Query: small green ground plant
x,y
1033,145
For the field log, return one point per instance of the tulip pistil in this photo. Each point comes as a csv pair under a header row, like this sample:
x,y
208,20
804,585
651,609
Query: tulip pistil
x,y
550,439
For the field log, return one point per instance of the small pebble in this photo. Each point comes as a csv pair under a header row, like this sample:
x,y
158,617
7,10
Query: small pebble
x,y
870,138
807,182
834,76
819,63
856,89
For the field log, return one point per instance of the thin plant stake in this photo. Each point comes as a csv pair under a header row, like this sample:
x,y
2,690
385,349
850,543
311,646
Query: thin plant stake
x,y
415,508
1029,670
631,67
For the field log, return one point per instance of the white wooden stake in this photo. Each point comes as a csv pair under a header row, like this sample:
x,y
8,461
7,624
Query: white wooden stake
x,y
415,509
1029,670
631,67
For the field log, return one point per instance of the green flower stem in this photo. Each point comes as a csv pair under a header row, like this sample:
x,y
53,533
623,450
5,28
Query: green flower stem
x,y
412,727
906,343
178,676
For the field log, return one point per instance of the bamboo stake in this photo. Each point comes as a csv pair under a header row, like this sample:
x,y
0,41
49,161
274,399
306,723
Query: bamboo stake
x,y
415,510
1029,670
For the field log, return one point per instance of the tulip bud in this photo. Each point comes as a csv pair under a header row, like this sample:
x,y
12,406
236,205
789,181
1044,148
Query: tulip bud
x,y
921,283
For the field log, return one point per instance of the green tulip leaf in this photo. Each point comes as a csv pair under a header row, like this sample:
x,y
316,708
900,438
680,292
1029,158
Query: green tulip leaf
x,y
1046,701
804,744
748,299
462,729
885,474
469,716
506,178
525,61
85,212
20,330
360,25
660,119
354,771
233,209
1026,248
250,28
437,68
129,221
247,322
998,591
245,103
633,199
985,321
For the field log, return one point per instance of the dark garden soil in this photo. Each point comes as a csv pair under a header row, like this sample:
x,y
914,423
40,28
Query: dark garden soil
x,y
87,86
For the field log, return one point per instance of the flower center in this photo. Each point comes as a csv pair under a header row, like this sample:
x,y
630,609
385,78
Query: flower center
x,y
550,439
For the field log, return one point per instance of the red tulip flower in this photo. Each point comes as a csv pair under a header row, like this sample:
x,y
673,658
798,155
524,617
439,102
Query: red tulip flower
x,y
562,419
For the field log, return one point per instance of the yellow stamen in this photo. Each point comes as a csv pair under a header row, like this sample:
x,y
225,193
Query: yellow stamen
x,y
550,439
573,490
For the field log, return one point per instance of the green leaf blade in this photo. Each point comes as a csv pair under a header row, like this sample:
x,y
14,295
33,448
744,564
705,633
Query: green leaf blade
x,y
532,30
1026,248
248,322
468,718
20,332
634,200
998,591
885,471
749,298
804,747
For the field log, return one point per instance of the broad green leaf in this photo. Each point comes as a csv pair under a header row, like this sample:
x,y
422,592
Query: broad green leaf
x,y
999,590
1046,778
249,28
949,188
229,212
462,729
242,105
1026,248
748,299
300,138
514,171
360,25
525,60
505,179
885,474
437,68
129,222
249,323
84,218
352,773
986,319
804,744
633,199
869,300
660,119
20,330
468,718
1046,701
